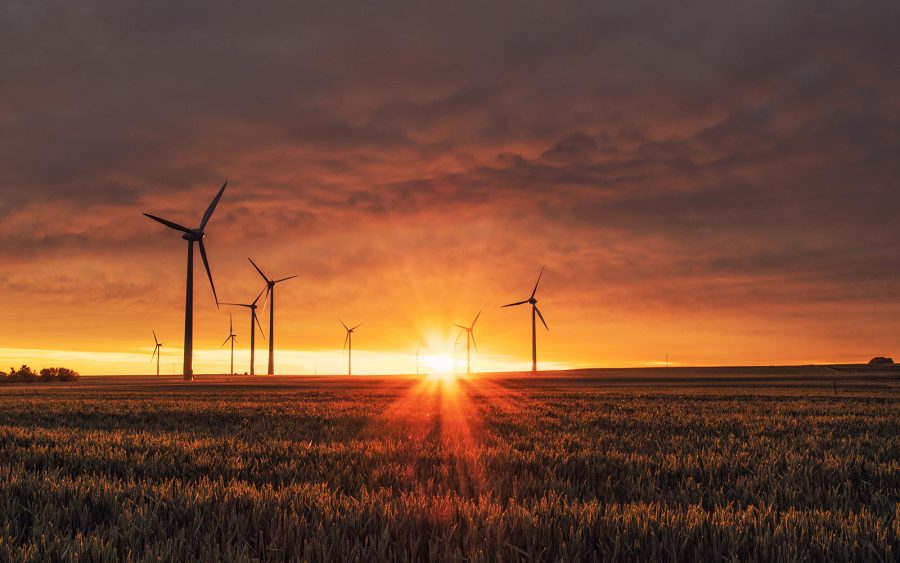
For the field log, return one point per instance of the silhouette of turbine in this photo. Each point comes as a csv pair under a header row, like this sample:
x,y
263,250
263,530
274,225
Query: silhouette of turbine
x,y
348,345
534,310
470,334
231,336
192,236
156,352
253,319
270,300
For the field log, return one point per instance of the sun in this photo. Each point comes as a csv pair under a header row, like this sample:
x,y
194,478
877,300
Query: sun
x,y
439,364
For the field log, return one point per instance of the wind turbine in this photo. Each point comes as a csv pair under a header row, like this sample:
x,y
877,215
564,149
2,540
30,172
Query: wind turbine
x,y
253,318
348,344
470,334
156,351
231,336
270,299
534,310
192,236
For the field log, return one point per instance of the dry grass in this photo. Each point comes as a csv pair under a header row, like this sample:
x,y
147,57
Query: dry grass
x,y
558,468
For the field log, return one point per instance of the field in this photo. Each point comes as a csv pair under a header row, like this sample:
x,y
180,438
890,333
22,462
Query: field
x,y
793,464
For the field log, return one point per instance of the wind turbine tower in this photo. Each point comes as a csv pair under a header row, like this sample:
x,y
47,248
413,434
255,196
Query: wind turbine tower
x,y
192,236
253,319
156,351
270,299
231,336
470,336
348,345
533,302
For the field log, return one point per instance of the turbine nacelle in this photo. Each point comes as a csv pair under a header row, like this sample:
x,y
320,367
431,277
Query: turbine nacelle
x,y
196,235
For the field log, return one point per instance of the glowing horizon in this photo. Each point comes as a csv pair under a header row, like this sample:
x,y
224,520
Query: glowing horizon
x,y
333,362
210,361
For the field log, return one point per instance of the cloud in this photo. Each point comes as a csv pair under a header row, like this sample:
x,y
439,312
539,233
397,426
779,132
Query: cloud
x,y
743,155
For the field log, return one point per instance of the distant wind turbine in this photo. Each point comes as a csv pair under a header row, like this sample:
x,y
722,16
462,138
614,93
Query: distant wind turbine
x,y
192,236
231,336
253,319
534,310
270,300
470,334
348,345
156,351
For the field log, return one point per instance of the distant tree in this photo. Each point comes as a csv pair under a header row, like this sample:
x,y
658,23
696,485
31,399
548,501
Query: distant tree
x,y
880,361
23,374
26,375
66,374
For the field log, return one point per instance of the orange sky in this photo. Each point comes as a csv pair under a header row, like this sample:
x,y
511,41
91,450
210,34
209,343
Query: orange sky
x,y
701,183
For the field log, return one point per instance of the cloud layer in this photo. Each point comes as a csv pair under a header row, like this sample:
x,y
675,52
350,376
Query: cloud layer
x,y
715,180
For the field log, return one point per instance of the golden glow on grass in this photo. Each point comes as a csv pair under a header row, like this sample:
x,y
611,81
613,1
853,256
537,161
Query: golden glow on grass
x,y
440,406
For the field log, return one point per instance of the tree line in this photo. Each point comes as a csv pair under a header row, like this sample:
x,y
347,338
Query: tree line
x,y
26,375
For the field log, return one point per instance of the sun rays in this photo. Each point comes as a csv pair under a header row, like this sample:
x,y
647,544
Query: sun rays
x,y
440,426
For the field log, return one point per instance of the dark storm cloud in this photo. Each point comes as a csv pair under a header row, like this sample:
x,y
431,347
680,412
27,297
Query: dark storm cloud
x,y
752,137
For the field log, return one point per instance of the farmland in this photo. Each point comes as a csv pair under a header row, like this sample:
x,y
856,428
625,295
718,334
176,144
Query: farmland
x,y
753,464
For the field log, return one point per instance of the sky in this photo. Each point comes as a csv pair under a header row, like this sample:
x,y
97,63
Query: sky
x,y
716,182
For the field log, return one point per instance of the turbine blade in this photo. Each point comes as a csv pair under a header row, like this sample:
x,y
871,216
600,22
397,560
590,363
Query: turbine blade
x,y
346,338
258,270
285,279
537,282
538,311
476,319
342,324
472,334
255,318
236,304
208,273
224,343
266,301
212,207
230,324
260,295
154,336
356,327
169,224
461,326
153,355
516,303
458,336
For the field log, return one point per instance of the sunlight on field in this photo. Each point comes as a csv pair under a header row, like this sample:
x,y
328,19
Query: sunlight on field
x,y
439,409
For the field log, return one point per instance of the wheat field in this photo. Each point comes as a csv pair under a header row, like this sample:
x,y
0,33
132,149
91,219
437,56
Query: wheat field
x,y
673,465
